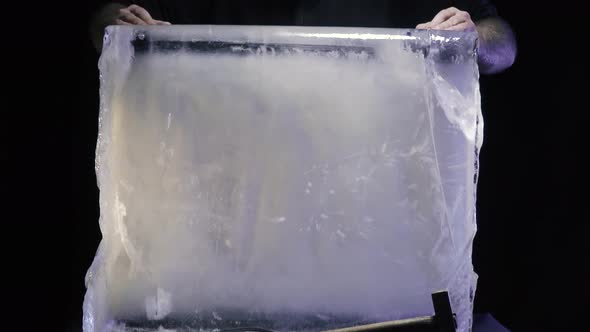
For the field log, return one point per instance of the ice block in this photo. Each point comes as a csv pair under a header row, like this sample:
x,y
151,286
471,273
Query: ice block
x,y
287,178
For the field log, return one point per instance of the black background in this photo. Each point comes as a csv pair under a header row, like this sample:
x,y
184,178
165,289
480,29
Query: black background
x,y
529,251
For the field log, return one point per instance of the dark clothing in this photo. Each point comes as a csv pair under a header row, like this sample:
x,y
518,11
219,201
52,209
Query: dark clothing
x,y
349,13
487,323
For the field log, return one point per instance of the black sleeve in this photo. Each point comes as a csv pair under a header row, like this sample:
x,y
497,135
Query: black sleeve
x,y
478,9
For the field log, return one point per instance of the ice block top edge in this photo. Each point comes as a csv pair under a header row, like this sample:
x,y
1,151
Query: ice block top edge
x,y
457,42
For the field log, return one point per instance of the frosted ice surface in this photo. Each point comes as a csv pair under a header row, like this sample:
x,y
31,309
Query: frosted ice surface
x,y
285,178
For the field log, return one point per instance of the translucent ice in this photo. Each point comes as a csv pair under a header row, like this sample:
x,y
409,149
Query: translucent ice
x,y
286,178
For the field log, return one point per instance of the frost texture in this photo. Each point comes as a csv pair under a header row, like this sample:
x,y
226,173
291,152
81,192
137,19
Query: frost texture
x,y
286,178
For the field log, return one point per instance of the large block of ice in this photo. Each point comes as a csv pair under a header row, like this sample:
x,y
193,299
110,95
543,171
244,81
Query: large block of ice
x,y
286,178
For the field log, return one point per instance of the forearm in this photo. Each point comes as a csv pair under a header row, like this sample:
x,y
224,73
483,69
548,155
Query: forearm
x,y
103,18
497,45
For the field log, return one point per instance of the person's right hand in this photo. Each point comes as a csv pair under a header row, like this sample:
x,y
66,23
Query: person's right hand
x,y
136,15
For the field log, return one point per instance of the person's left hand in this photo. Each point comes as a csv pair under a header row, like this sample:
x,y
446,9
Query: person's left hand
x,y
450,19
